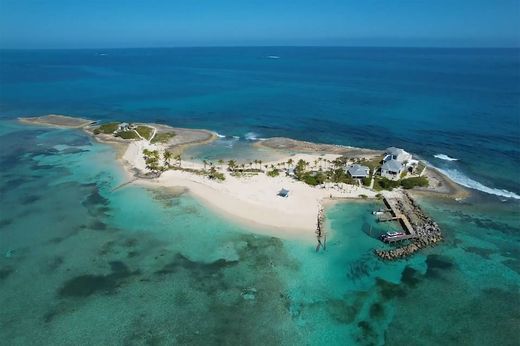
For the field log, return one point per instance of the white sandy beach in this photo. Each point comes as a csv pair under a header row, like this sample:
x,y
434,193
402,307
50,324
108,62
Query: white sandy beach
x,y
253,200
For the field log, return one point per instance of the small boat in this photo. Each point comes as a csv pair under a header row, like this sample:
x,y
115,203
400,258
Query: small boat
x,y
378,212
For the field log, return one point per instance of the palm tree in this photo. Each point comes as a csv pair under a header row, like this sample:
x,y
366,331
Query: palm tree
x,y
290,162
167,155
260,164
178,159
204,162
220,162
232,164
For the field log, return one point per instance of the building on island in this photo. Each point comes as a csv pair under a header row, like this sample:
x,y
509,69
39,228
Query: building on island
x,y
123,127
392,169
393,153
358,171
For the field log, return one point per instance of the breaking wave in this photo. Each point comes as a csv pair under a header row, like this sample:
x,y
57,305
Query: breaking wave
x,y
445,157
251,136
464,180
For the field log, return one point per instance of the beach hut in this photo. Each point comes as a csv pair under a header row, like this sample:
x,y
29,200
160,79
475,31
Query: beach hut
x,y
283,193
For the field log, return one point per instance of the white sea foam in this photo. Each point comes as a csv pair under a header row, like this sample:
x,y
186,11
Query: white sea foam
x,y
464,180
273,57
236,137
220,136
445,157
251,136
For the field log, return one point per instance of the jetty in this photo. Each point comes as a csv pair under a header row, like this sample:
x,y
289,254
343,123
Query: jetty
x,y
320,231
419,230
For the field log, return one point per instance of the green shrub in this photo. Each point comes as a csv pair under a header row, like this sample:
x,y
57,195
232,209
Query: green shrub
x,y
383,183
274,173
127,135
106,128
144,131
410,183
366,181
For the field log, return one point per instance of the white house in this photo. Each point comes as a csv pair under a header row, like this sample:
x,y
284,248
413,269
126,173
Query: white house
x,y
392,169
358,171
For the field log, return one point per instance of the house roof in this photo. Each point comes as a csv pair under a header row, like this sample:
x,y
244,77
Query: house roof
x,y
392,165
357,170
395,151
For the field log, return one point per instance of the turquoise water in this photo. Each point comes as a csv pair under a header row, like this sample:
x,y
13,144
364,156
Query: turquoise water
x,y
84,263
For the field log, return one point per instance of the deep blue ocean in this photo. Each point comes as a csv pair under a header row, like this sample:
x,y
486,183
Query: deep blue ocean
x,y
464,103
82,262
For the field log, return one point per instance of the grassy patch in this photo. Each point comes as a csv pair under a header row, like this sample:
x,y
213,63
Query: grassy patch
x,y
163,137
410,183
144,131
127,135
106,128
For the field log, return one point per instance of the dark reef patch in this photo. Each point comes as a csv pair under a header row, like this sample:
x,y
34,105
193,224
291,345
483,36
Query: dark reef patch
x,y
199,269
410,277
368,334
97,225
342,311
29,199
482,252
5,272
96,204
376,311
55,263
5,222
85,285
436,264
390,290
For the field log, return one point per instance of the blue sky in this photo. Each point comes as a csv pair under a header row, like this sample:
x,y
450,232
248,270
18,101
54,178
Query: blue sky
x,y
160,23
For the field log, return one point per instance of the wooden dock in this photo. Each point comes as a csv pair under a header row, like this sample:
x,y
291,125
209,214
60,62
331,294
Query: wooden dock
x,y
396,215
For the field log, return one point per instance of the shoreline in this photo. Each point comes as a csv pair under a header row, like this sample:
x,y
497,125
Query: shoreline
x,y
252,201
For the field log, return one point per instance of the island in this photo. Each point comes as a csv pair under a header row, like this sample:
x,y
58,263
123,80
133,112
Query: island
x,y
284,197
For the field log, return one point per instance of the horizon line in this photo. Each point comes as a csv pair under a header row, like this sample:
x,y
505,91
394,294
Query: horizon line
x,y
267,46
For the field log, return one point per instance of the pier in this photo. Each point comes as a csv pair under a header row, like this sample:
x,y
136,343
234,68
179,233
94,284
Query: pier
x,y
419,230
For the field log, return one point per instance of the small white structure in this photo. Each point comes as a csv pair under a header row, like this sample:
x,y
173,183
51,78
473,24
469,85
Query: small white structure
x,y
393,153
358,171
392,169
123,127
283,193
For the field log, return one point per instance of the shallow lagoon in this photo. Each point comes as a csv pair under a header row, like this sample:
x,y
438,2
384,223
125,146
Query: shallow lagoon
x,y
82,262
